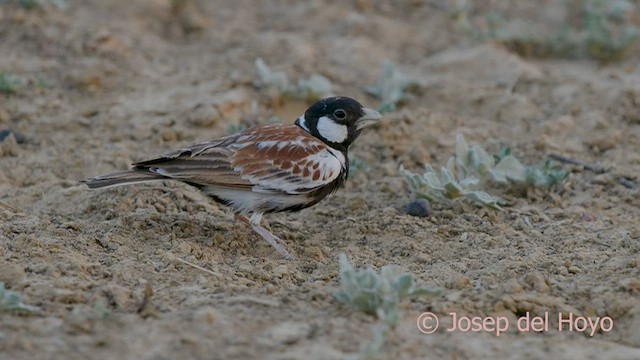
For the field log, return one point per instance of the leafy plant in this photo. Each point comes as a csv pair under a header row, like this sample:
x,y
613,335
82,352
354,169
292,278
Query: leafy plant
x,y
604,31
377,294
235,128
274,120
504,168
390,87
101,310
12,301
445,188
313,88
35,4
8,84
269,78
604,39
472,167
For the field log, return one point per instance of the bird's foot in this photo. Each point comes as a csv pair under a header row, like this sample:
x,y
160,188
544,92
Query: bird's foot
x,y
264,233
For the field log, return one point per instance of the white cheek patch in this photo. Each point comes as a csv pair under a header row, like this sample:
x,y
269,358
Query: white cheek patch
x,y
332,131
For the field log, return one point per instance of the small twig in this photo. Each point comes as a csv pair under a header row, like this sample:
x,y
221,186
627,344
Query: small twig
x,y
520,212
4,205
563,159
554,224
629,184
601,243
211,272
253,300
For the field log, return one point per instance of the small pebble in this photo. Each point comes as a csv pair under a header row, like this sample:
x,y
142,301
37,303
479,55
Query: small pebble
x,y
206,314
20,139
574,270
419,208
280,271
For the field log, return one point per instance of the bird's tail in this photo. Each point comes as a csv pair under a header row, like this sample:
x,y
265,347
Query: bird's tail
x,y
120,178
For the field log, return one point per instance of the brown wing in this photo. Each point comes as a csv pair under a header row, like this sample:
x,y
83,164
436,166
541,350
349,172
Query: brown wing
x,y
266,158
207,163
286,159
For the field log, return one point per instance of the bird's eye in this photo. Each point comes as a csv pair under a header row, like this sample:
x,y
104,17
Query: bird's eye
x,y
340,114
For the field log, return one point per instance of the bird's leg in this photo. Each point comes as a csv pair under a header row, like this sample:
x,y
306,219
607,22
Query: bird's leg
x,y
254,221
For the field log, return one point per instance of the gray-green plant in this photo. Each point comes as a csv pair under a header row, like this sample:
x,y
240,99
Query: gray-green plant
x,y
101,310
504,168
35,4
270,78
390,87
445,188
509,170
604,31
235,128
8,83
12,301
274,120
472,168
607,34
313,88
377,294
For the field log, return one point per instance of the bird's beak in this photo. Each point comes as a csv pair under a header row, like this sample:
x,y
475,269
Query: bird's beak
x,y
369,117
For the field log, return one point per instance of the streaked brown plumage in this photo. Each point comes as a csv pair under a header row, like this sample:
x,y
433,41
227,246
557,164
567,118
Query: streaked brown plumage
x,y
266,168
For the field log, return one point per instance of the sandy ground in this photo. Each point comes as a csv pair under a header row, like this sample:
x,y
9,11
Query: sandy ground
x,y
105,83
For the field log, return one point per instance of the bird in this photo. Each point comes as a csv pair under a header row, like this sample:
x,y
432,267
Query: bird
x,y
265,168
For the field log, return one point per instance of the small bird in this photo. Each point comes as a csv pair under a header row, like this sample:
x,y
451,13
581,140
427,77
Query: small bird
x,y
265,168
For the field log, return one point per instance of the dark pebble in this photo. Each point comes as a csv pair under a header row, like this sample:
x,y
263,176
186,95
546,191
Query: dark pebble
x,y
20,139
629,184
419,208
